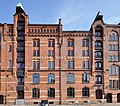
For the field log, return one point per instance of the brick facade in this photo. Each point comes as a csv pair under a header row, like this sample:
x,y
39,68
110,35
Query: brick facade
x,y
43,62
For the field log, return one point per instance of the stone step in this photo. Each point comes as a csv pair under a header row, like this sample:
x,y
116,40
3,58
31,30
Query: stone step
x,y
19,101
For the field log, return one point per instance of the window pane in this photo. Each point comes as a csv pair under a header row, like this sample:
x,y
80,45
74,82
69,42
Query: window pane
x,y
51,78
36,78
70,92
38,65
117,47
70,78
49,52
53,64
49,43
68,52
49,66
53,43
52,52
51,92
34,43
85,77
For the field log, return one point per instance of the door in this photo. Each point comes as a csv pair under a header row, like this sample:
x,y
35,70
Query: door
x,y
1,99
118,97
98,94
20,94
109,98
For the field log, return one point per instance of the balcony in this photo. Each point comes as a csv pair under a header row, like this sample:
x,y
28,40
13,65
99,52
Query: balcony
x,y
20,60
98,57
21,28
19,49
21,38
98,83
19,87
20,73
98,47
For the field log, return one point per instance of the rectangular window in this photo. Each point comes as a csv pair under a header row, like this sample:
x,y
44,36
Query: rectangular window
x,y
70,43
10,64
116,47
49,52
38,43
36,65
10,48
51,43
87,53
51,64
70,64
34,52
34,43
70,78
53,53
36,78
85,43
70,52
35,93
38,53
110,84
85,64
117,58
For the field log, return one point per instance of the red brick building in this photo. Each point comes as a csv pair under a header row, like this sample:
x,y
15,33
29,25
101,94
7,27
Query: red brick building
x,y
42,62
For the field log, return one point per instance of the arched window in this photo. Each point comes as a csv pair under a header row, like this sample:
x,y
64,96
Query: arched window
x,y
35,92
98,31
98,79
85,77
51,92
114,37
51,78
70,92
70,78
98,54
85,92
36,78
98,65
98,44
114,70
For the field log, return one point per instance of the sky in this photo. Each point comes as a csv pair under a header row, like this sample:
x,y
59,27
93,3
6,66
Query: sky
x,y
75,14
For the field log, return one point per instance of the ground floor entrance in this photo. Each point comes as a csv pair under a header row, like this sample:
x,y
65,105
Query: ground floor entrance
x,y
118,97
99,94
20,94
1,99
109,98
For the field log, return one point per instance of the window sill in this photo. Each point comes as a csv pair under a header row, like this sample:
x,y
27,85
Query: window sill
x,y
51,97
35,97
35,83
85,96
70,97
85,82
113,61
70,82
51,69
51,83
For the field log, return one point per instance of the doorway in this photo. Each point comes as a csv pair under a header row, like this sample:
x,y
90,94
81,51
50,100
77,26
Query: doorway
x,y
118,97
109,98
20,94
99,94
1,99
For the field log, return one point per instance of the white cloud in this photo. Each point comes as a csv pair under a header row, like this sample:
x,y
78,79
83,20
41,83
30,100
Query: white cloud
x,y
72,11
113,20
